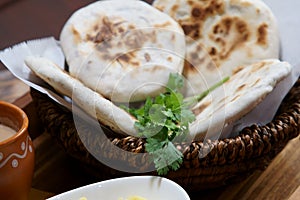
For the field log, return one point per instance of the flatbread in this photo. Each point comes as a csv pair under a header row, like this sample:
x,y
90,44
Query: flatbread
x,y
90,101
222,35
125,50
247,87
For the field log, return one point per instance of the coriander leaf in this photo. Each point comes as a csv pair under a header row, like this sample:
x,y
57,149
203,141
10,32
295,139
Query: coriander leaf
x,y
160,99
171,125
151,130
154,145
156,114
169,113
162,135
148,105
164,119
186,116
175,82
165,156
174,101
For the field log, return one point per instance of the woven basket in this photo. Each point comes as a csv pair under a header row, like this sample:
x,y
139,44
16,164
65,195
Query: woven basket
x,y
229,160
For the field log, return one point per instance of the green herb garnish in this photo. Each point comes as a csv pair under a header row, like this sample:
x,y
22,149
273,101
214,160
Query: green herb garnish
x,y
164,119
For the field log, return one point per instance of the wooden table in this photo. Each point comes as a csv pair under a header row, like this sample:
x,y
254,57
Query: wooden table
x,y
55,171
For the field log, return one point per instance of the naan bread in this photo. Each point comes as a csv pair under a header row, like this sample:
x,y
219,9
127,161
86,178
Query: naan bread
x,y
247,87
91,102
221,35
125,50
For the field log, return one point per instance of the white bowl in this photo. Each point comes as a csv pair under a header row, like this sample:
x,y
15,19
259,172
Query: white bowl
x,y
148,187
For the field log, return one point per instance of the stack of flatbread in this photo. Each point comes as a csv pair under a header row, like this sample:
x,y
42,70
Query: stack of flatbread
x,y
124,51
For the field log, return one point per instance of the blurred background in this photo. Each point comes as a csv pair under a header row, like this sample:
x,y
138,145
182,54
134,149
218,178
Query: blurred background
x,y
22,20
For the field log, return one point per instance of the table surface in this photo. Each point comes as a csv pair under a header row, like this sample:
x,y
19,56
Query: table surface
x,y
55,171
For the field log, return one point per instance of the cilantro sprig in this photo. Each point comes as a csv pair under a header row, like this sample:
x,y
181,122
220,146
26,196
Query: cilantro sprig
x,y
164,119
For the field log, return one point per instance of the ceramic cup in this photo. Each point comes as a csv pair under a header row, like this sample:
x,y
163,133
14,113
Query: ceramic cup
x,y
16,153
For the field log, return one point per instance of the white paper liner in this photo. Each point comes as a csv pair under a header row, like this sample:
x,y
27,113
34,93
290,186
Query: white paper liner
x,y
13,58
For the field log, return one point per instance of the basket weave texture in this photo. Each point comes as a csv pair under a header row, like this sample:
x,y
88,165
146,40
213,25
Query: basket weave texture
x,y
229,160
